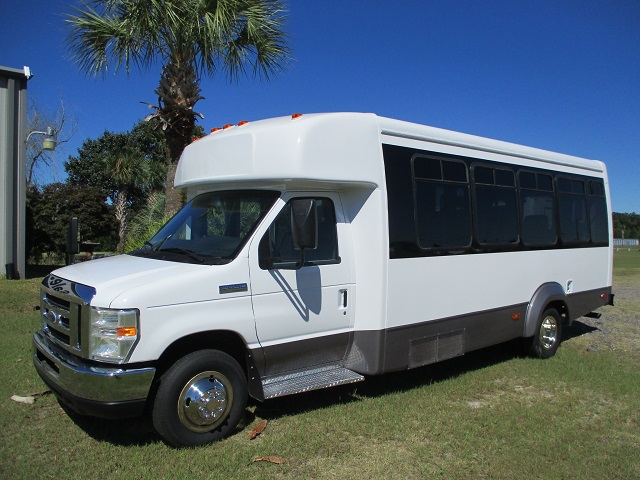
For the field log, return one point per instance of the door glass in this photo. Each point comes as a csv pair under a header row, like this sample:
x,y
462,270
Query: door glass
x,y
278,241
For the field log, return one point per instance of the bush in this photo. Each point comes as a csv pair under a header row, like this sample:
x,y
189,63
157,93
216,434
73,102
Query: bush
x,y
146,223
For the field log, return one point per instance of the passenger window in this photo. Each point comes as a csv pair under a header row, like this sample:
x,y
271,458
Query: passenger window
x,y
442,204
598,218
277,243
496,206
537,209
574,226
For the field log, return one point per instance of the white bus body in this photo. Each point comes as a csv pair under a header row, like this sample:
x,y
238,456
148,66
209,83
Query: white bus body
x,y
422,244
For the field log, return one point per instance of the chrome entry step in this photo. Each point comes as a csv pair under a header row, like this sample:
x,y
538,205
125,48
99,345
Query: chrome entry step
x,y
308,380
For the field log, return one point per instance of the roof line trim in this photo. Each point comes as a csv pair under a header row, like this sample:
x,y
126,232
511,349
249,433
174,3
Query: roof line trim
x,y
480,148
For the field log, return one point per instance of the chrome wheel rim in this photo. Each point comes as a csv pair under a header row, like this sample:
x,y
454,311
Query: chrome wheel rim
x,y
548,332
205,401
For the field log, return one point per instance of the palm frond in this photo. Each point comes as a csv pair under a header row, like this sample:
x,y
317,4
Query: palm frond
x,y
241,34
235,36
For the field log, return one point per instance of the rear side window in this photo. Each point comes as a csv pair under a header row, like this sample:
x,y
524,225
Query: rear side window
x,y
598,219
572,205
537,209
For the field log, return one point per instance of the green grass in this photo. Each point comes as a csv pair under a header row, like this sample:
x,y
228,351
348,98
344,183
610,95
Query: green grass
x,y
626,266
490,414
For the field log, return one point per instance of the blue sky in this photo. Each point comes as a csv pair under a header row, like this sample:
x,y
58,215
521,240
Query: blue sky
x,y
562,75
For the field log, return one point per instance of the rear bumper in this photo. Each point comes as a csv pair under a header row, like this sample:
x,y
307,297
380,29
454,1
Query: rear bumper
x,y
108,392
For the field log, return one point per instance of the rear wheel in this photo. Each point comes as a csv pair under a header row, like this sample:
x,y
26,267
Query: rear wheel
x,y
546,340
201,399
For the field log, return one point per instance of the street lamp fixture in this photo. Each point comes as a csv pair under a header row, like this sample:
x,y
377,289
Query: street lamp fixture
x,y
49,143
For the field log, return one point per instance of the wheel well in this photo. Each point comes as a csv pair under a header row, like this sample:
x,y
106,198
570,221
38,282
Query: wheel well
x,y
548,295
225,341
560,307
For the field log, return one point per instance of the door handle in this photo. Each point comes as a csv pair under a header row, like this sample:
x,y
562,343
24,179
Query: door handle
x,y
343,298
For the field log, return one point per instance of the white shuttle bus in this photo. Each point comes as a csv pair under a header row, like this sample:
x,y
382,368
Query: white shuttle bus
x,y
317,249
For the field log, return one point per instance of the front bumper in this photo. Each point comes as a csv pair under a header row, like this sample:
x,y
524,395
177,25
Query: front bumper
x,y
108,392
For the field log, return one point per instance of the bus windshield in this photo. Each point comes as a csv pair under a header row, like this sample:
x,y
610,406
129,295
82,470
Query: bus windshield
x,y
210,229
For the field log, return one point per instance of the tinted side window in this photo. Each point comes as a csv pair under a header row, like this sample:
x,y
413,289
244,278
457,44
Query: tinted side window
x,y
442,204
598,216
537,209
496,206
278,241
572,204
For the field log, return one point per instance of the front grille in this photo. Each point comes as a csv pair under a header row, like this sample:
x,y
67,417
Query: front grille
x,y
59,302
64,312
66,339
62,320
57,310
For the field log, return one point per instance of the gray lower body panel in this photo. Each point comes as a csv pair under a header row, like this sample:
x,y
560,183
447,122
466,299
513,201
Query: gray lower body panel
x,y
429,342
372,352
581,303
378,351
305,354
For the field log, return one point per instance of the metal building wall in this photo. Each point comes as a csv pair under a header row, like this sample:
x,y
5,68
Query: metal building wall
x,y
13,118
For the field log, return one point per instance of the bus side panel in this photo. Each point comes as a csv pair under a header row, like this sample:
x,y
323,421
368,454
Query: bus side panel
x,y
433,341
476,293
580,304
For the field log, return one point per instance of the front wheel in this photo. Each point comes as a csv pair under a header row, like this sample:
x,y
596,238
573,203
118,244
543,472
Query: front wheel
x,y
546,340
201,399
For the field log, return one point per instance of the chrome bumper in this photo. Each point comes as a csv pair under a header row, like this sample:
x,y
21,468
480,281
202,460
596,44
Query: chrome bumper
x,y
78,381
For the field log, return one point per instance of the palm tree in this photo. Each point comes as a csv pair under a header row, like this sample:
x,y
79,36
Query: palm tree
x,y
129,171
190,38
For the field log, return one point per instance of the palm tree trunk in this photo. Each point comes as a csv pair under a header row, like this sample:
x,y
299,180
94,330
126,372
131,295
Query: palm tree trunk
x,y
121,217
173,195
178,93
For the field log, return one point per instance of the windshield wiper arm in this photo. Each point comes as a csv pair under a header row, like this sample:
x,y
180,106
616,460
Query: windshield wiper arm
x,y
189,253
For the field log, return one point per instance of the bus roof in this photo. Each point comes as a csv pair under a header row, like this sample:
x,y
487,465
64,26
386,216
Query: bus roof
x,y
331,149
438,136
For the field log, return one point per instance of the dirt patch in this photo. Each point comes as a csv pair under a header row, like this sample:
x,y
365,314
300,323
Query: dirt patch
x,y
618,328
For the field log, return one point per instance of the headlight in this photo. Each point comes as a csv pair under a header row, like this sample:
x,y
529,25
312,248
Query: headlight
x,y
112,334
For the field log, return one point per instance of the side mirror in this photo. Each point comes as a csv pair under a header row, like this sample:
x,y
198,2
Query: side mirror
x,y
304,235
304,224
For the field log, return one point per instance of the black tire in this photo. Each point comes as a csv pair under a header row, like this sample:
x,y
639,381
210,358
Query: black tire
x,y
201,399
546,340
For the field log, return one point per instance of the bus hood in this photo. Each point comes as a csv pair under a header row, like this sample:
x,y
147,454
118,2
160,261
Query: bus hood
x,y
111,276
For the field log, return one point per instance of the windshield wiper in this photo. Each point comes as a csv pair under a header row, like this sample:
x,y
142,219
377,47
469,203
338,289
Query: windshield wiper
x,y
189,253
